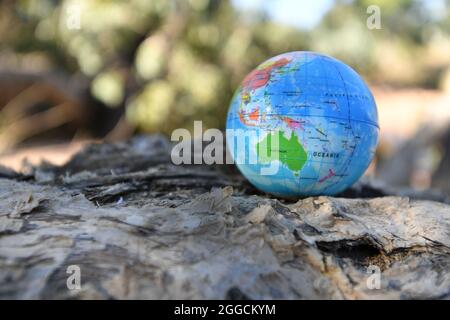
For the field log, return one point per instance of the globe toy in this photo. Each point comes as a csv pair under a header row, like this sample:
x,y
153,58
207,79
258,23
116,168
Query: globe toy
x,y
302,124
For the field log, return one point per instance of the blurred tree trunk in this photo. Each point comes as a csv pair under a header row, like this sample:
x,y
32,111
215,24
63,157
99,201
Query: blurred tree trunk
x,y
441,178
41,107
423,160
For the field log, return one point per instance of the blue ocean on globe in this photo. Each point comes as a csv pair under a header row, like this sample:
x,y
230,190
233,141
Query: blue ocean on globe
x,y
308,115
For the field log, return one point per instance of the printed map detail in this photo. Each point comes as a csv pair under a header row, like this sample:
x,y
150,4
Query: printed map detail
x,y
275,146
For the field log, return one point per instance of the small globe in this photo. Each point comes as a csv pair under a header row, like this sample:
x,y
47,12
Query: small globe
x,y
302,124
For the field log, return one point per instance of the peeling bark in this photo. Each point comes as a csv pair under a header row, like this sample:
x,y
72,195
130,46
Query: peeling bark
x,y
139,227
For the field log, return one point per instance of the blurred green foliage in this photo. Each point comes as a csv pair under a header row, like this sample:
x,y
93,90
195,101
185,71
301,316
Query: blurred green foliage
x,y
167,63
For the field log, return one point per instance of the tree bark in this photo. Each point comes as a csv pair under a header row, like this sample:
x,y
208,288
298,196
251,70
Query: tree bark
x,y
139,227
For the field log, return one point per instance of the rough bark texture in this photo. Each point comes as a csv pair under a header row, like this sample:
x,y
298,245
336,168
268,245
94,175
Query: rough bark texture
x,y
139,227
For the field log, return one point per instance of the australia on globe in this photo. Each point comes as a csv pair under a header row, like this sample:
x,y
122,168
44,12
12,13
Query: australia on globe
x,y
302,124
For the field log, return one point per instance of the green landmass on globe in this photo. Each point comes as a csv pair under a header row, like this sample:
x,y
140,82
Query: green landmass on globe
x,y
290,151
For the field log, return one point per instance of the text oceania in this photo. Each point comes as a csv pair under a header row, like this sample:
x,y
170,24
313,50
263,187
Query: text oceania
x,y
326,154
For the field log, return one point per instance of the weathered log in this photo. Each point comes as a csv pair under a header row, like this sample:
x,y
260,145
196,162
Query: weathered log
x,y
139,227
